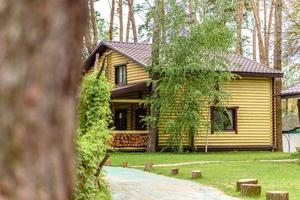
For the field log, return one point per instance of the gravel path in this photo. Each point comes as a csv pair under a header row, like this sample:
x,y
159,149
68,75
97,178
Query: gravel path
x,y
133,184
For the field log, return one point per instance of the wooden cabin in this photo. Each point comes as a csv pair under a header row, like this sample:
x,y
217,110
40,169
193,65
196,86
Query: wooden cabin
x,y
251,103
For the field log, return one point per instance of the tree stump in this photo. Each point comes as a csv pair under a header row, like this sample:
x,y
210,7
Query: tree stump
x,y
108,162
196,173
148,166
251,189
245,181
125,164
277,195
174,171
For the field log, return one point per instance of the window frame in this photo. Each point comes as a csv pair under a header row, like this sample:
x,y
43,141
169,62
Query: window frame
x,y
234,121
117,67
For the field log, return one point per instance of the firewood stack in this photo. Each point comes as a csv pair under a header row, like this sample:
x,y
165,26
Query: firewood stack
x,y
129,140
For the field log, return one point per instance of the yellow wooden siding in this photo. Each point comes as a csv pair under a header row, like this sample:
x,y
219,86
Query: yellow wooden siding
x,y
253,97
135,72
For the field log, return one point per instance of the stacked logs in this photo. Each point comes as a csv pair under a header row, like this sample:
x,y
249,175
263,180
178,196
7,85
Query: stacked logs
x,y
129,140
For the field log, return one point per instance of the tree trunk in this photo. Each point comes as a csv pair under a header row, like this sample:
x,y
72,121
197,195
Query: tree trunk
x,y
254,43
262,51
111,22
268,31
132,19
277,65
94,23
128,24
239,21
38,82
120,11
153,131
192,11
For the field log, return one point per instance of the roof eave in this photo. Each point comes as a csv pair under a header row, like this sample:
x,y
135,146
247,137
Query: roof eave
x,y
256,74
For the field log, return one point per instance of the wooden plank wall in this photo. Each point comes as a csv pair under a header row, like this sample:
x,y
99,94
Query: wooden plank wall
x,y
253,96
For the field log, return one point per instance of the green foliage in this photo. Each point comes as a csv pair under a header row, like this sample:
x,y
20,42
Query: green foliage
x,y
92,135
192,66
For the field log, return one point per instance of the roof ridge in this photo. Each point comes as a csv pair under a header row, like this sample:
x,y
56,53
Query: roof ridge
x,y
123,42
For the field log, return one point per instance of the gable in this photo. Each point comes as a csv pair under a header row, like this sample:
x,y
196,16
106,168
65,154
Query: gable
x,y
135,72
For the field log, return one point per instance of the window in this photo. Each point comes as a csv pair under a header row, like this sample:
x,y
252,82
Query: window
x,y
224,119
121,119
139,114
120,75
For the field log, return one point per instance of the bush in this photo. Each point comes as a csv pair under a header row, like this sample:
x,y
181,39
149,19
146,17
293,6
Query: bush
x,y
92,136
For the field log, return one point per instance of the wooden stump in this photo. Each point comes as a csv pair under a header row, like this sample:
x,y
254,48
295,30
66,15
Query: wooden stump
x,y
277,195
245,181
251,189
148,166
196,173
108,162
174,171
125,164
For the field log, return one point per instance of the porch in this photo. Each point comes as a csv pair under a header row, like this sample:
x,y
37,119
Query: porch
x,y
130,131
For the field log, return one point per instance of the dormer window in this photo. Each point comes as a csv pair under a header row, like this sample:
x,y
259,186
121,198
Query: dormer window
x,y
120,75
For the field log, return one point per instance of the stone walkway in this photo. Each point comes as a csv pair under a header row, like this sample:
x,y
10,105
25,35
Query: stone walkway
x,y
133,184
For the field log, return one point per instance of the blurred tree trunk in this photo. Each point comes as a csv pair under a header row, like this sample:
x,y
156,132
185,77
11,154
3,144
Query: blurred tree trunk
x,y
111,21
120,11
94,23
277,65
40,58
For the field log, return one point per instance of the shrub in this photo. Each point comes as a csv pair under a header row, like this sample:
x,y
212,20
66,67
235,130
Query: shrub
x,y
92,136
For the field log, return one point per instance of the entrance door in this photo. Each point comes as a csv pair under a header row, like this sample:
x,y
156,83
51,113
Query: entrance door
x,y
121,119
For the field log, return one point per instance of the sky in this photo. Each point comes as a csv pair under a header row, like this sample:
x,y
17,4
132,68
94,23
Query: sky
x,y
104,7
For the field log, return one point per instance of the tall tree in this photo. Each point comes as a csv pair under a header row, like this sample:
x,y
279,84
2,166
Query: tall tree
x,y
38,83
156,42
257,21
111,21
277,65
239,22
120,12
132,20
91,36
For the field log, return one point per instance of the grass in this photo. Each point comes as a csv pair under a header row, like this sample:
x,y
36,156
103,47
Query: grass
x,y
161,158
272,176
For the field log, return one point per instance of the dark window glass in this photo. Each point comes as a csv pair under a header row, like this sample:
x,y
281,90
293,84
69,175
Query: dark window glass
x,y
224,119
121,75
139,124
121,119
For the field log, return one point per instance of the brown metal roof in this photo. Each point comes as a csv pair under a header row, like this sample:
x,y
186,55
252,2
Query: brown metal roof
x,y
141,53
293,91
139,86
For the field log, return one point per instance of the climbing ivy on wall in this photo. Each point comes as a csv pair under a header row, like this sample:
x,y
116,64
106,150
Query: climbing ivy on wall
x,y
93,135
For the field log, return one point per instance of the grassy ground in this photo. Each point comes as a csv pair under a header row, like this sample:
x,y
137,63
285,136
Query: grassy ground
x,y
272,176
161,158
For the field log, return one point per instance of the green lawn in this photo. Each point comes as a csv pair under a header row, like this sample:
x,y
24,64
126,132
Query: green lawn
x,y
272,176
160,158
